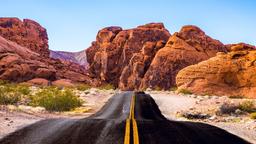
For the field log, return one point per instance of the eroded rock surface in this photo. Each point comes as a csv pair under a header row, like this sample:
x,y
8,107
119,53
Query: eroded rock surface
x,y
140,58
225,74
26,33
189,46
24,55
115,50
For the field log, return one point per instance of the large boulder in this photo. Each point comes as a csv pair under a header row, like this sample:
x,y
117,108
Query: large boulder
x,y
189,46
26,33
225,74
115,48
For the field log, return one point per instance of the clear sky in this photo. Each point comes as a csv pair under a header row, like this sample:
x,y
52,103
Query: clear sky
x,y
73,24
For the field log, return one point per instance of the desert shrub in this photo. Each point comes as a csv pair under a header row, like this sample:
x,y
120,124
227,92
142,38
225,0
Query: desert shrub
x,y
185,91
173,88
157,88
23,89
247,106
3,82
8,97
54,99
253,115
227,108
106,87
236,97
189,115
83,87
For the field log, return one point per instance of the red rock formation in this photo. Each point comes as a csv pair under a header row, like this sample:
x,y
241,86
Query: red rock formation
x,y
27,56
26,33
115,48
19,64
225,74
189,46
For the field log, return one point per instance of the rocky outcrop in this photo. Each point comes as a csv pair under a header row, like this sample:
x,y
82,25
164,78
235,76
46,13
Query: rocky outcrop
x,y
113,53
74,57
189,46
24,55
225,74
26,33
19,64
140,58
134,72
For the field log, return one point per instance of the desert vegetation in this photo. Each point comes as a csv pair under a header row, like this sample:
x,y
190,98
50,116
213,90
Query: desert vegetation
x,y
51,98
54,99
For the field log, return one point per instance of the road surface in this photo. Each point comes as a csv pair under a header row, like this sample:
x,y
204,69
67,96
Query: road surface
x,y
127,118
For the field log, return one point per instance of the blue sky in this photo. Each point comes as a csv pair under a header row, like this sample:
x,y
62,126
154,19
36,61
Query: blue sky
x,y
73,24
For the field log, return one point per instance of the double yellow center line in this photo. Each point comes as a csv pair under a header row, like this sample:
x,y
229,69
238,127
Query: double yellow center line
x,y
134,125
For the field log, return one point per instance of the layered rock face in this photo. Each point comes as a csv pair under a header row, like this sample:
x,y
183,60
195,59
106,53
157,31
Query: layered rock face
x,y
26,33
19,64
115,50
225,74
189,46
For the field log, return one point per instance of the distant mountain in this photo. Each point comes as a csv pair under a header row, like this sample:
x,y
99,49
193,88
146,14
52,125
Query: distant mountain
x,y
75,57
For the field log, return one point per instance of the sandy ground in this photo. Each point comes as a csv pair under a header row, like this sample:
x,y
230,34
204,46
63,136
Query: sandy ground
x,y
170,103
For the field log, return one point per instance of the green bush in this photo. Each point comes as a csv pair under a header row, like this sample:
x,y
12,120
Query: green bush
x,y
54,99
8,97
185,91
253,115
247,106
83,87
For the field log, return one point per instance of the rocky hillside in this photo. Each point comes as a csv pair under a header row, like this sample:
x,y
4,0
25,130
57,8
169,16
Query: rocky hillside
x,y
24,54
148,56
75,57
225,74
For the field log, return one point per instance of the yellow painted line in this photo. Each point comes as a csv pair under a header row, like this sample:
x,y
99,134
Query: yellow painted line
x,y
134,125
127,132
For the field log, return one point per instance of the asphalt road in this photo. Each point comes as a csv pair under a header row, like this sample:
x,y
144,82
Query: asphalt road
x,y
129,118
